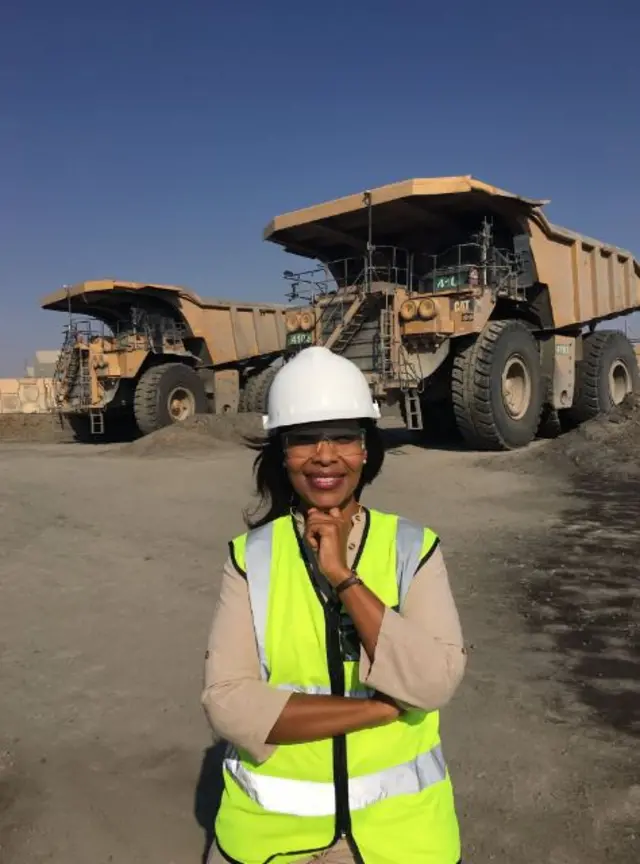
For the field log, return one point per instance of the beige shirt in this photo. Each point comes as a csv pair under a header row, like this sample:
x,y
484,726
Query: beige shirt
x,y
419,659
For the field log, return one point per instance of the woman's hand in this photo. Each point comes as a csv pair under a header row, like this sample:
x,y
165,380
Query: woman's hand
x,y
389,708
327,534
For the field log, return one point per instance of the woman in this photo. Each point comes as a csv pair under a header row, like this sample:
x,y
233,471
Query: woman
x,y
334,643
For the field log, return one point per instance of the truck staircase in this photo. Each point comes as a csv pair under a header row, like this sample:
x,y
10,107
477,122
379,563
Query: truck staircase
x,y
353,320
66,367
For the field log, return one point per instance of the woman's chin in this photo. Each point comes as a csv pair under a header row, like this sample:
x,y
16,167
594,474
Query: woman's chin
x,y
326,499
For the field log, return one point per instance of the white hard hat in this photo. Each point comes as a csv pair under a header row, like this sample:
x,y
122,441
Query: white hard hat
x,y
318,385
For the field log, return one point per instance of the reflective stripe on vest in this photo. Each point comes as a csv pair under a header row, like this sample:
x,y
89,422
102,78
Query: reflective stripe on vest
x,y
258,552
306,798
257,557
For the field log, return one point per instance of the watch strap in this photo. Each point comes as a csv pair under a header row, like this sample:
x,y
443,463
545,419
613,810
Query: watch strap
x,y
354,579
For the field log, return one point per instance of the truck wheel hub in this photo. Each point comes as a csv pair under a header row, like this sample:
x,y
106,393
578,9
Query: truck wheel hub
x,y
620,383
516,387
182,405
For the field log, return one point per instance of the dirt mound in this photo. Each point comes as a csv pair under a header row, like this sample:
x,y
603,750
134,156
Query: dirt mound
x,y
608,445
34,428
198,435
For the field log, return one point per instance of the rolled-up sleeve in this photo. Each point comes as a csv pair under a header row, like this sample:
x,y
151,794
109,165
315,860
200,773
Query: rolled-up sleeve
x,y
239,705
420,658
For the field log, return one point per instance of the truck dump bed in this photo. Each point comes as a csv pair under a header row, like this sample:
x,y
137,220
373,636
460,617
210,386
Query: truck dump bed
x,y
26,395
231,330
588,280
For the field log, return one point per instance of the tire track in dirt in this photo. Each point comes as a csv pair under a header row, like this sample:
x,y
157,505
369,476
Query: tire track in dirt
x,y
581,585
583,591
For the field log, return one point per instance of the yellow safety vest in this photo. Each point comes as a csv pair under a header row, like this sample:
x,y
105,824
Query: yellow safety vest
x,y
385,789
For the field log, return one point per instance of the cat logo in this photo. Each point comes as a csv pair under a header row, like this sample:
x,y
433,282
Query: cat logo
x,y
463,306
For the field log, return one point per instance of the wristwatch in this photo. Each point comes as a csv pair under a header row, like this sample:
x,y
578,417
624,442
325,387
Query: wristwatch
x,y
354,579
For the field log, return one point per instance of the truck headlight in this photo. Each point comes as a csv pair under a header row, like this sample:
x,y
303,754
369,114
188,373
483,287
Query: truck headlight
x,y
307,321
427,309
408,310
292,321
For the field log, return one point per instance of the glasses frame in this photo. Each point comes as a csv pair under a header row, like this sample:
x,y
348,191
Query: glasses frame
x,y
313,447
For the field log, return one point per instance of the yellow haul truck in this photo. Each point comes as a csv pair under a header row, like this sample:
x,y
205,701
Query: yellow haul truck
x,y
465,305
152,355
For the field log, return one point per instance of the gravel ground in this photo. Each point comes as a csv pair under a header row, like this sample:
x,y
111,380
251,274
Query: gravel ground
x,y
109,571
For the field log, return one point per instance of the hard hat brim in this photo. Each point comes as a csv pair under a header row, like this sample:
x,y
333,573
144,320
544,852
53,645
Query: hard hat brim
x,y
319,415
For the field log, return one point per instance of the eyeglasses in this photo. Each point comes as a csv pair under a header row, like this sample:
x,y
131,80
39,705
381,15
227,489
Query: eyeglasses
x,y
307,442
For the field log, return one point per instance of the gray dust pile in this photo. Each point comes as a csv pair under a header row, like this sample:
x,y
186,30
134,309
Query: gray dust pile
x,y
609,445
34,428
196,436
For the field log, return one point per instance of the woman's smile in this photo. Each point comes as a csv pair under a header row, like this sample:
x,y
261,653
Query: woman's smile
x,y
325,482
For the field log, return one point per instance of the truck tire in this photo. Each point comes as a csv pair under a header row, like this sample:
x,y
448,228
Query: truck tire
x,y
497,387
550,425
247,394
257,390
607,372
79,425
166,394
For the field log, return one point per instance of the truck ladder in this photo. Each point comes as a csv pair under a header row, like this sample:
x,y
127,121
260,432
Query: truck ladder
x,y
413,409
411,387
386,337
96,421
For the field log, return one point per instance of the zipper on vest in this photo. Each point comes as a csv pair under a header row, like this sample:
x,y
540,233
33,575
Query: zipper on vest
x,y
336,677
331,610
340,770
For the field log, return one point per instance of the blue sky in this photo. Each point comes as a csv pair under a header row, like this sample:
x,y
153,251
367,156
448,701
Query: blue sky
x,y
154,140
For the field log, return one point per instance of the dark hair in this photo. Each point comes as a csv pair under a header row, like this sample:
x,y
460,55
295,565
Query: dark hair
x,y
273,487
